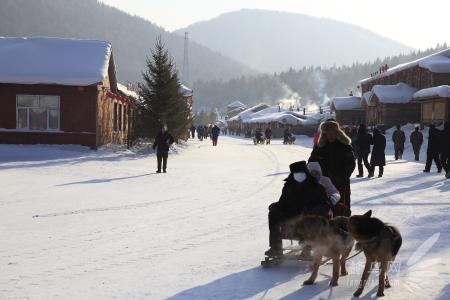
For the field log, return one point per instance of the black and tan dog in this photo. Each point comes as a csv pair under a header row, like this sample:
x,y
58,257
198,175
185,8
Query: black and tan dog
x,y
327,238
380,243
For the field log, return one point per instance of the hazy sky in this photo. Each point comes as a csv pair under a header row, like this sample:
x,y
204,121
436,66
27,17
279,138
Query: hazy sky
x,y
418,24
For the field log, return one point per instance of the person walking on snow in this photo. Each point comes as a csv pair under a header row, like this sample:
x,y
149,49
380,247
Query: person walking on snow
x,y
433,149
268,134
200,132
416,139
335,155
162,144
398,137
362,144
215,131
193,131
445,155
378,157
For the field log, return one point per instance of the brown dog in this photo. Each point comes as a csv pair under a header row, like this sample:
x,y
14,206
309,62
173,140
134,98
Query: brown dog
x,y
380,243
326,238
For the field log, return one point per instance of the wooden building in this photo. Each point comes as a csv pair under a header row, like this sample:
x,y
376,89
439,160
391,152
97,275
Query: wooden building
x,y
348,110
434,103
389,105
61,91
427,72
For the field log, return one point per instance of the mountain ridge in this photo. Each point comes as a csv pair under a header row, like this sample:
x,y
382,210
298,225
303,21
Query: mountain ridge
x,y
255,37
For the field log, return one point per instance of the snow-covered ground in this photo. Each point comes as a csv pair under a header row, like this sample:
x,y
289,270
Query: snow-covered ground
x,y
78,224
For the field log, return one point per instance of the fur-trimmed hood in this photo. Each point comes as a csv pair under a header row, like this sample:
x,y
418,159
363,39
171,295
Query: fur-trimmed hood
x,y
330,126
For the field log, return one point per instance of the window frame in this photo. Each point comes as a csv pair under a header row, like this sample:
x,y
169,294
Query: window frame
x,y
47,110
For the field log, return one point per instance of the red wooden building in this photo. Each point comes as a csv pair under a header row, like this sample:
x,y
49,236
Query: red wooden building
x,y
396,87
61,91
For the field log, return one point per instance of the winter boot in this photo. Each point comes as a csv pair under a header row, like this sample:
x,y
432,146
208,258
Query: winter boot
x,y
447,175
426,171
274,252
360,175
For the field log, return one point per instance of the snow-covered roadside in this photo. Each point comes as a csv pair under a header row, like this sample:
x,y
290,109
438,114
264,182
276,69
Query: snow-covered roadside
x,y
94,225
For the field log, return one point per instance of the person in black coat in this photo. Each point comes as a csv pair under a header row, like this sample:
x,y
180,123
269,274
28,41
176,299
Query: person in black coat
x,y
445,153
215,131
193,131
362,144
301,194
335,155
378,157
433,149
162,144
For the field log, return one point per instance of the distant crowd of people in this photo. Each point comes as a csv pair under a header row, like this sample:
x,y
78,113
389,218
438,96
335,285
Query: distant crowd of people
x,y
438,148
203,132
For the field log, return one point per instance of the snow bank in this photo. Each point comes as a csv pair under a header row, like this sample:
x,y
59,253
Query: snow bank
x,y
442,91
437,63
399,93
45,60
346,103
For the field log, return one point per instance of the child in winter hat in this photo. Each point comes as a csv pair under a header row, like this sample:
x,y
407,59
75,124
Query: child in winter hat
x,y
316,171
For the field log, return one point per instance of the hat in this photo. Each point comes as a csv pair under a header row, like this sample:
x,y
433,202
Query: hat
x,y
314,166
332,126
299,166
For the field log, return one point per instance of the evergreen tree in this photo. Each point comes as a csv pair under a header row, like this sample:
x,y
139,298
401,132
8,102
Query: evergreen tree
x,y
162,103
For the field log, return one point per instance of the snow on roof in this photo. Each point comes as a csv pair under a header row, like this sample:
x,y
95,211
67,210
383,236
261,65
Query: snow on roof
x,y
236,104
126,91
437,63
346,103
185,91
399,93
45,60
366,97
442,91
271,114
248,112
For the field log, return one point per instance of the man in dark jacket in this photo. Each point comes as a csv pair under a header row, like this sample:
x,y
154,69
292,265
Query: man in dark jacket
x,y
445,155
433,149
215,131
193,131
335,155
162,143
268,134
200,132
301,194
398,137
378,157
416,140
362,144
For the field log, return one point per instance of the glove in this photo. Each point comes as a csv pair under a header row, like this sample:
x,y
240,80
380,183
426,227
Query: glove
x,y
333,199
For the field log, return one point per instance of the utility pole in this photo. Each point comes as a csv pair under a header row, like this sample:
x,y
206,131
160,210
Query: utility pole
x,y
185,75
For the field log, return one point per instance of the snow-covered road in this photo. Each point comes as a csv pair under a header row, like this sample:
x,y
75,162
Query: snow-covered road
x,y
79,224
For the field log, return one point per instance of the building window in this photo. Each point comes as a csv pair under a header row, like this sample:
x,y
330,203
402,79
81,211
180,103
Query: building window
x,y
37,112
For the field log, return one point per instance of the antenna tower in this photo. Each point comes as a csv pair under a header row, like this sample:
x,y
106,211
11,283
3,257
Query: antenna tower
x,y
185,75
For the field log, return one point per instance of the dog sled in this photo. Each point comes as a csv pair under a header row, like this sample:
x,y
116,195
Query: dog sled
x,y
289,140
297,251
293,252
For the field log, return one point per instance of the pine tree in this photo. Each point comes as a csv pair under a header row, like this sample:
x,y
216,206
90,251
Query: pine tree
x,y
162,103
